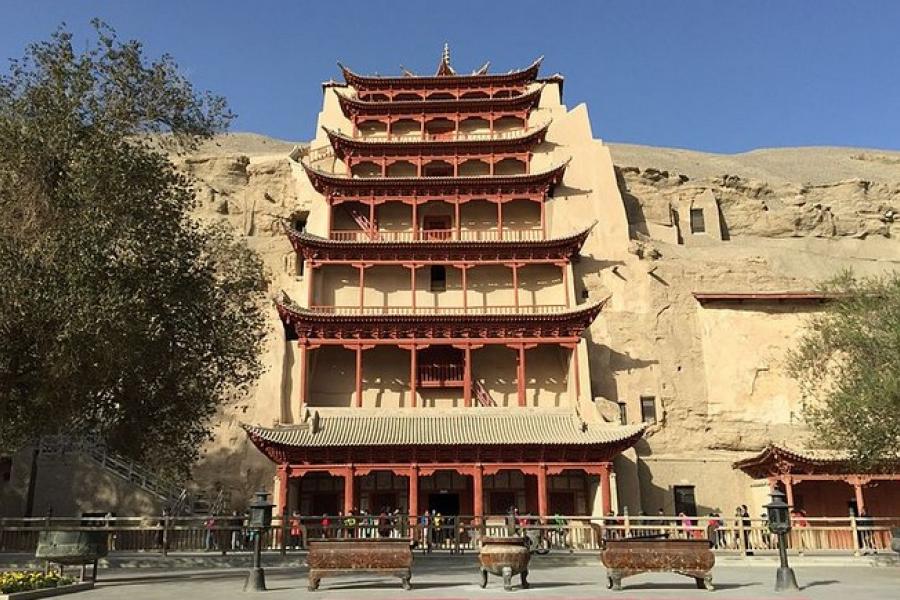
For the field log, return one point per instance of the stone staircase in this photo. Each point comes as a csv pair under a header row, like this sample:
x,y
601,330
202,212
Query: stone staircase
x,y
177,497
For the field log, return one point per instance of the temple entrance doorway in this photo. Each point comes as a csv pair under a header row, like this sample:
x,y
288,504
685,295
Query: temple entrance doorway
x,y
387,501
325,504
445,503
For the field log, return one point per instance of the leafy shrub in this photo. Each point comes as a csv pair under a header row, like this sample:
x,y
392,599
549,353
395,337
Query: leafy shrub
x,y
23,581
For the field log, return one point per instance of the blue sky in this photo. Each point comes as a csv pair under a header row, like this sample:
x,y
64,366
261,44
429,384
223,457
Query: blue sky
x,y
715,75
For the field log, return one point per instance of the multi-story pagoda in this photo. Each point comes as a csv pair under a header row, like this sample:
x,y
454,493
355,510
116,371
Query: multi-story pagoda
x,y
440,361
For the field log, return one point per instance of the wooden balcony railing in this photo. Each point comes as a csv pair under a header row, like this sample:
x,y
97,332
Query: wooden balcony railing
x,y
529,309
445,375
439,235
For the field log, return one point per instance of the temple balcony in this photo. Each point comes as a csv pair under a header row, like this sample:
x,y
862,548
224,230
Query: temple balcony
x,y
436,246
456,189
451,137
525,309
528,234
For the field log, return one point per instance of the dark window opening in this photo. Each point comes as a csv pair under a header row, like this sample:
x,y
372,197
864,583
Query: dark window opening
x,y
623,413
5,468
684,500
648,409
438,278
298,223
698,224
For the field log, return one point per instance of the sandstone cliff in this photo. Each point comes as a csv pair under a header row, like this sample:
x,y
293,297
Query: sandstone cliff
x,y
787,219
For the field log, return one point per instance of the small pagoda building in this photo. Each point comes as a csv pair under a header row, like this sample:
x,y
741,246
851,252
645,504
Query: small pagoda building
x,y
440,363
825,483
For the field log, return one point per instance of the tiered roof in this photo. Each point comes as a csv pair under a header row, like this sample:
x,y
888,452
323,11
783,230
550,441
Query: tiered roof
x,y
410,436
314,247
339,188
446,76
523,102
777,459
528,138
398,323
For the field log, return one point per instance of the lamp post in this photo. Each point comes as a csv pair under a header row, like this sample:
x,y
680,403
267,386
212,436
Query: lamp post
x,y
780,524
260,520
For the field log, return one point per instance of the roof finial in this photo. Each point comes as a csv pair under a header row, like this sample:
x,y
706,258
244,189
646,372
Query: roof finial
x,y
444,68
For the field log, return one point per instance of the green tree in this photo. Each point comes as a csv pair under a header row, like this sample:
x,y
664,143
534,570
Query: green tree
x,y
848,366
121,317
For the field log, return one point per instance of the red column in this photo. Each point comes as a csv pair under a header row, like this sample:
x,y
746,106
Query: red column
x,y
348,490
415,219
499,220
359,367
543,220
576,374
362,285
413,490
789,489
283,476
542,490
565,281
520,375
310,269
465,287
515,274
478,492
858,490
412,375
458,223
372,225
467,376
412,286
329,216
304,351
605,490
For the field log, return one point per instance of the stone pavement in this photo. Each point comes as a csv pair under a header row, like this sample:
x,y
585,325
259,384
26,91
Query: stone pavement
x,y
456,578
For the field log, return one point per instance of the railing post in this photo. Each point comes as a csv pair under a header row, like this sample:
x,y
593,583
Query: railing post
x,y
854,531
165,535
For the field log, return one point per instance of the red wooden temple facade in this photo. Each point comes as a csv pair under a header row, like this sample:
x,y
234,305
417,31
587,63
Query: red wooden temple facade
x,y
438,340
824,483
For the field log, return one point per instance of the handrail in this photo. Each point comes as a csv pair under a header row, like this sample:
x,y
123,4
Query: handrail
x,y
162,533
327,151
528,309
439,235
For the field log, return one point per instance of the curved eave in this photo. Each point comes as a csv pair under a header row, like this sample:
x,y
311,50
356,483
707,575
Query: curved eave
x,y
291,313
525,75
340,141
322,180
302,240
527,100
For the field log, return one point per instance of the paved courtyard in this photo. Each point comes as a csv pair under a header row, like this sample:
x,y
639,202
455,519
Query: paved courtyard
x,y
456,577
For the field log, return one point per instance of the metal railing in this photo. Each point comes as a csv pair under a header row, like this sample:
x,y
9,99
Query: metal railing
x,y
129,470
452,534
529,309
529,234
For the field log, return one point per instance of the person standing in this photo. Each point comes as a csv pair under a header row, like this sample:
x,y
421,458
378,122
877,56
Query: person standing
x,y
210,525
747,524
296,532
326,526
801,526
712,529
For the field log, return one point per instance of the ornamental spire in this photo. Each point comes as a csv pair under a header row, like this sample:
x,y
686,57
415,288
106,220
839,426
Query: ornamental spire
x,y
444,68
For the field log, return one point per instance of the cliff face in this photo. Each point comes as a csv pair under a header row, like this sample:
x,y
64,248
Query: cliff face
x,y
754,208
717,374
718,371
